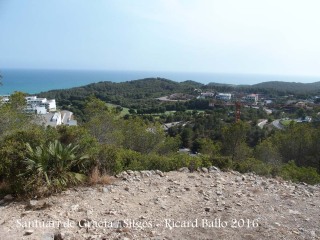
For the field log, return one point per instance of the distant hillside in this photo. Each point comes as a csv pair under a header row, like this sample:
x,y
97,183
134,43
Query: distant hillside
x,y
124,93
273,86
292,87
143,92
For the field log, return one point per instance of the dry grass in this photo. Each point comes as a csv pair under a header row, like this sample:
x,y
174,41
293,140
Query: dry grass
x,y
96,178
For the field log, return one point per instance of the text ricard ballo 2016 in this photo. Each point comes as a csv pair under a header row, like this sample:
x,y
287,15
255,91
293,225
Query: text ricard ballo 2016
x,y
142,224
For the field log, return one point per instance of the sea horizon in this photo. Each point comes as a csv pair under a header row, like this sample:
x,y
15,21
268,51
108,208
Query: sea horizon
x,y
34,81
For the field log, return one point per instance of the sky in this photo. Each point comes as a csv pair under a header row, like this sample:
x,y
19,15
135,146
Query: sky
x,y
229,36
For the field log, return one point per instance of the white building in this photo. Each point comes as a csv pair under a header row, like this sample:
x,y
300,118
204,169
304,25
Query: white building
x,y
58,118
207,94
35,104
252,98
224,96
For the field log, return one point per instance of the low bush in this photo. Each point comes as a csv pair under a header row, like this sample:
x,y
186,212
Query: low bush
x,y
254,165
291,171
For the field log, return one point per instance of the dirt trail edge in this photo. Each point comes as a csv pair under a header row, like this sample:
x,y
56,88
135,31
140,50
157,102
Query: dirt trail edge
x,y
206,204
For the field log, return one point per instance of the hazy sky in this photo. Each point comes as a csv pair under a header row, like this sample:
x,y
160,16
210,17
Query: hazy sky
x,y
231,36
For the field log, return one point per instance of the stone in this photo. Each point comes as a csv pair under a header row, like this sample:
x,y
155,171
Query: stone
x,y
161,174
184,169
48,236
213,169
57,236
207,209
130,172
8,197
75,207
28,232
37,205
205,170
105,190
33,204
294,212
145,173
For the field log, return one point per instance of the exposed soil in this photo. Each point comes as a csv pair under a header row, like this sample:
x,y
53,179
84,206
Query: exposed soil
x,y
174,205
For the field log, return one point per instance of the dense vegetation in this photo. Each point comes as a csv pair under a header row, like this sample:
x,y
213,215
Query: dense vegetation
x,y
140,96
38,160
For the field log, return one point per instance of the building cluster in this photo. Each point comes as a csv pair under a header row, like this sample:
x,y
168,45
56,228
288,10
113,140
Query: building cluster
x,y
47,112
226,97
40,105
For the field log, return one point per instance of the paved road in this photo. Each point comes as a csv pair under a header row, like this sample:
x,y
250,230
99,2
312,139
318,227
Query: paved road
x,y
277,124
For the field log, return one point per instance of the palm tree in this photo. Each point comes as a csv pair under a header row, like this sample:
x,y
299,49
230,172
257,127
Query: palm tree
x,y
53,166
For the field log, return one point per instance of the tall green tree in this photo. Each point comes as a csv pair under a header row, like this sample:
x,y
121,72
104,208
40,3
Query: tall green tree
x,y
234,144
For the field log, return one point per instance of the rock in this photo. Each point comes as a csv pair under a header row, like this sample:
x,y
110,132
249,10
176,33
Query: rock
x,y
48,236
130,172
184,169
8,197
37,205
145,173
105,190
127,189
205,170
219,193
213,169
207,209
238,179
75,207
161,174
28,232
294,212
33,203
57,236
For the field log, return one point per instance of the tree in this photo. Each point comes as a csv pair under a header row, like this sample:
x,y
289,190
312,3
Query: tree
x,y
234,143
206,146
132,111
13,118
267,153
295,143
102,123
141,137
186,137
18,100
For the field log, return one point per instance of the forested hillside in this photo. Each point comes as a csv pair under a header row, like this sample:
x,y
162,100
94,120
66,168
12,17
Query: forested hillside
x,y
272,87
38,160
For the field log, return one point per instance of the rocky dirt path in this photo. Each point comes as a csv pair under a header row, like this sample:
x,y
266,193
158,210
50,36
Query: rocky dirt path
x,y
176,205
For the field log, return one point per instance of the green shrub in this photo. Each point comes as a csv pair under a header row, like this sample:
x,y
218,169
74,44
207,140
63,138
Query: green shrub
x,y
291,171
108,159
222,162
51,168
254,165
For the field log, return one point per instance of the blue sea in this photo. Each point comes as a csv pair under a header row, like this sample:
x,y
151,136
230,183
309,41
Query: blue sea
x,y
36,81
